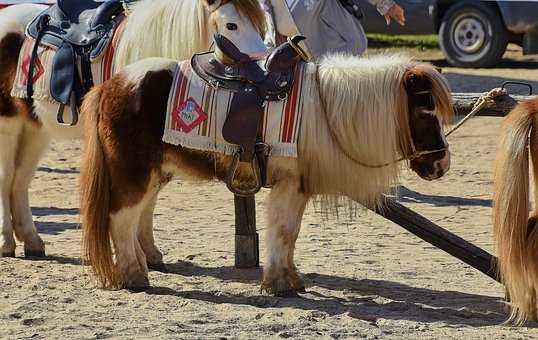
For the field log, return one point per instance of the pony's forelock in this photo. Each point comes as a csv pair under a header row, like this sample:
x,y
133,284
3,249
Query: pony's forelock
x,y
252,10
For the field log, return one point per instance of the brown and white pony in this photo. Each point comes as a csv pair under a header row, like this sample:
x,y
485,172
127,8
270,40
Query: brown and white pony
x,y
361,116
166,28
515,232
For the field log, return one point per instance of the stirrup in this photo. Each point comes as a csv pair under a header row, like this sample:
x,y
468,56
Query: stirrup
x,y
254,165
74,111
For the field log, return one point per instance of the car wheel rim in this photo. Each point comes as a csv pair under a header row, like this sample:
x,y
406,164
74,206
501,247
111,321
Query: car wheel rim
x,y
469,35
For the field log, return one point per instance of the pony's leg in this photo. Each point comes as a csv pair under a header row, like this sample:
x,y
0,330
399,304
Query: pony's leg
x,y
33,143
131,267
145,236
286,204
10,130
131,262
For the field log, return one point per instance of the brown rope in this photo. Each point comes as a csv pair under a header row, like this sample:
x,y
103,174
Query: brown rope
x,y
487,99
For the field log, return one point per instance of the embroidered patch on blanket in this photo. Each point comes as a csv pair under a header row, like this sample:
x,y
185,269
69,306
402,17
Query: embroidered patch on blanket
x,y
102,67
197,111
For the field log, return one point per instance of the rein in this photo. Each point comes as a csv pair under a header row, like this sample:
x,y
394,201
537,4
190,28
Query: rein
x,y
414,155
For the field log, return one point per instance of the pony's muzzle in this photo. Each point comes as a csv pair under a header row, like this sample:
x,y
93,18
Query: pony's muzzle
x,y
432,167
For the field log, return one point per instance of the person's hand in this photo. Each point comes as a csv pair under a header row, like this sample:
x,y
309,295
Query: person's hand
x,y
396,13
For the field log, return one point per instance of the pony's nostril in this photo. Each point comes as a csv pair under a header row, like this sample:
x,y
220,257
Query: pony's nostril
x,y
231,26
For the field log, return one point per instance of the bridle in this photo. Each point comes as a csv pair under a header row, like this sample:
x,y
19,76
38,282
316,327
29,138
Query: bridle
x,y
414,152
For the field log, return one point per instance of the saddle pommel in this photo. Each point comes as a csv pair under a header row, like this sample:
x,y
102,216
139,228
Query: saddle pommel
x,y
106,12
285,56
229,50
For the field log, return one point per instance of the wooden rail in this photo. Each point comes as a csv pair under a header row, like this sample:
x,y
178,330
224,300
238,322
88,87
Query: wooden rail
x,y
463,104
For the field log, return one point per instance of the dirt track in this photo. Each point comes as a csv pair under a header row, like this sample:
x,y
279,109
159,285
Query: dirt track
x,y
366,278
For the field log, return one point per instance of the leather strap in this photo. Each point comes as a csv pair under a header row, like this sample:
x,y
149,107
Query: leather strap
x,y
41,25
62,80
242,123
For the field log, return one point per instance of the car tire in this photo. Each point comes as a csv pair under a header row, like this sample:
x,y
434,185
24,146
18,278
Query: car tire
x,y
472,34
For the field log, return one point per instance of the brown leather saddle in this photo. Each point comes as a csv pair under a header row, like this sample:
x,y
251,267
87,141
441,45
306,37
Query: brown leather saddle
x,y
78,30
253,82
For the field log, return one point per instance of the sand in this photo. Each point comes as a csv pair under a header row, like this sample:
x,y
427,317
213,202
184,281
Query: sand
x,y
366,277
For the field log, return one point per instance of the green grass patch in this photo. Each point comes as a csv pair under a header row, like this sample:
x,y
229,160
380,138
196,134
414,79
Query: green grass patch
x,y
421,42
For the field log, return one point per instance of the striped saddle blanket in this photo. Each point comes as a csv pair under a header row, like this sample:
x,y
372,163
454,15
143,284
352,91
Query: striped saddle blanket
x,y
102,67
197,111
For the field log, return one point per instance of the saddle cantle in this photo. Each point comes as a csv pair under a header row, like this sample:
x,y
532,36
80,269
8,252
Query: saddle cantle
x,y
253,82
79,30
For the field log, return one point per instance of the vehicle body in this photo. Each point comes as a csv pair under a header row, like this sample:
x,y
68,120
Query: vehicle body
x,y
472,33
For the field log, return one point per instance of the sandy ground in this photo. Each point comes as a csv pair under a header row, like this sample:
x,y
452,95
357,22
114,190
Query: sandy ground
x,y
367,278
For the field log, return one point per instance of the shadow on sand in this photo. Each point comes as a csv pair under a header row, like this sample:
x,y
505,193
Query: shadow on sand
x,y
58,171
55,228
362,299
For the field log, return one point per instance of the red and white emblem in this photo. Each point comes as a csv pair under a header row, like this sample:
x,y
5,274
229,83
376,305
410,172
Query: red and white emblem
x,y
189,115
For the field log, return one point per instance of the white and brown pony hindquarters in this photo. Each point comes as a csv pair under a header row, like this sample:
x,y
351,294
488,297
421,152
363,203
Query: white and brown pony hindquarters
x,y
124,120
515,234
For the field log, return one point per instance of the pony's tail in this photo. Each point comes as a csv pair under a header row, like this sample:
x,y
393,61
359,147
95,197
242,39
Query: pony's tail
x,y
95,195
515,236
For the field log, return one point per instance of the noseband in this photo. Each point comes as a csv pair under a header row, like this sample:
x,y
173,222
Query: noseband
x,y
414,155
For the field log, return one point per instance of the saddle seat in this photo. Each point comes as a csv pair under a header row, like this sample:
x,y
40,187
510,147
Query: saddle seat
x,y
79,22
253,81
229,68
79,31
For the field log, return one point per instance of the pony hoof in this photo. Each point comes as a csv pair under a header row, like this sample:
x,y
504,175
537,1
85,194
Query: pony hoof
x,y
290,293
158,267
8,254
36,253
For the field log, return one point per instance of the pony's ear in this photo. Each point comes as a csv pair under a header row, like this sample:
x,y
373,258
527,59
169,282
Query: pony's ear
x,y
212,5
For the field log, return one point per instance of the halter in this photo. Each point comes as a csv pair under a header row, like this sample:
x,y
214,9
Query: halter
x,y
414,155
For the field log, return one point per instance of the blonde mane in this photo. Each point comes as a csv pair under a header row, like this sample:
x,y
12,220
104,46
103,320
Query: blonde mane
x,y
367,108
174,29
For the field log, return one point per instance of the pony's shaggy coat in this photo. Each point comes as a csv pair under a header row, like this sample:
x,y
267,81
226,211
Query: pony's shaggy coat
x,y
515,233
367,104
125,163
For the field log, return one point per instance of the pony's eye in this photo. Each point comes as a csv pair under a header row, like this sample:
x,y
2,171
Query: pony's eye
x,y
231,26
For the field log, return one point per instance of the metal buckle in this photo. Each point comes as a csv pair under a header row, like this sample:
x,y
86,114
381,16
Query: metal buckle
x,y
230,178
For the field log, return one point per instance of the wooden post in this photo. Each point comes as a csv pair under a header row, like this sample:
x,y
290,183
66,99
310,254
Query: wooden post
x,y
247,253
441,238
